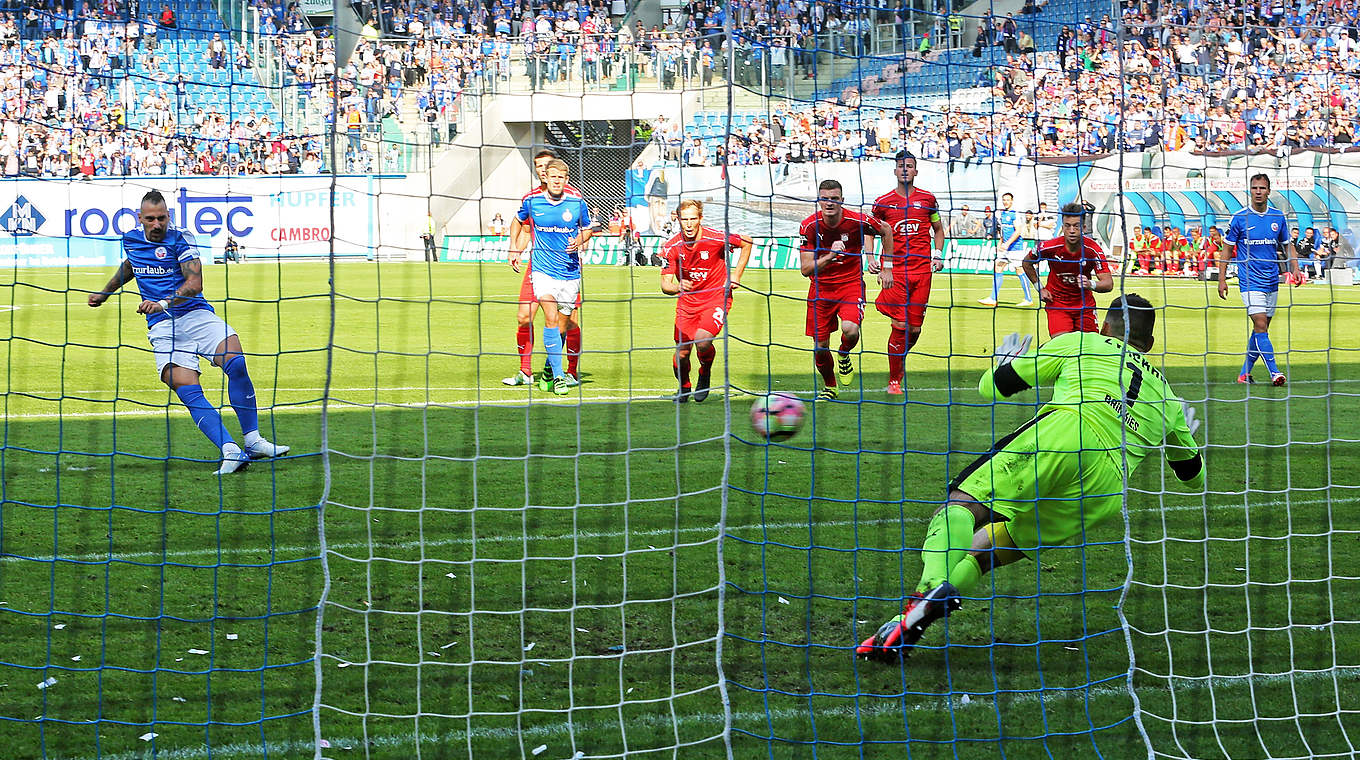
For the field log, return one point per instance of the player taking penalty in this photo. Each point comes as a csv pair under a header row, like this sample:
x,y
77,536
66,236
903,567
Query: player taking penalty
x,y
183,327
561,228
1059,475
914,216
1076,269
1256,236
696,269
832,256
520,236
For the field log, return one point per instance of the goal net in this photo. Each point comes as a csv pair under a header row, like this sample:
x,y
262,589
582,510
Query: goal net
x,y
458,560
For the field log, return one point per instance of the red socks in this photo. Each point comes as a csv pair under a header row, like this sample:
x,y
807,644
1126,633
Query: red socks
x,y
681,366
706,357
572,341
524,342
822,359
897,354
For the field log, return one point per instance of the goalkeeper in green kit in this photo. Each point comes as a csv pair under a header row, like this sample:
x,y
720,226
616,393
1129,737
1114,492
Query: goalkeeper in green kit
x,y
1057,476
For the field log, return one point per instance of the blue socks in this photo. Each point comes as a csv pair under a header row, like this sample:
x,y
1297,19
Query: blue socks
x,y
204,414
997,277
1259,345
241,391
552,343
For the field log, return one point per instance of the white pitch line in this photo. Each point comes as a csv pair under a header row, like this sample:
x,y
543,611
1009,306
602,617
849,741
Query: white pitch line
x,y
735,530
877,707
339,404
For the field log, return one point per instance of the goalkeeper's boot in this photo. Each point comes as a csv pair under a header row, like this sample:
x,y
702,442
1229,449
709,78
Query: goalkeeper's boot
x,y
701,387
519,378
262,449
683,395
828,393
845,372
1277,379
545,382
895,638
1245,378
895,388
988,301
560,386
233,459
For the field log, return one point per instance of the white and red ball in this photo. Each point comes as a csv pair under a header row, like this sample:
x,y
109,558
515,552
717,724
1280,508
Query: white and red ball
x,y
778,416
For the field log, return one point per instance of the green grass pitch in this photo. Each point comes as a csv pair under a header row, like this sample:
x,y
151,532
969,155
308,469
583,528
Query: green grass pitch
x,y
188,609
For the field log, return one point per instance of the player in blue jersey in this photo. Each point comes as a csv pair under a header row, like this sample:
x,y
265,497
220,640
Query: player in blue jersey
x,y
561,226
1010,254
182,327
1258,233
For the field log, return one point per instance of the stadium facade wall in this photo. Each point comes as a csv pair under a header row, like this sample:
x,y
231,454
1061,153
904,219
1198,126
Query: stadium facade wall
x,y
1313,189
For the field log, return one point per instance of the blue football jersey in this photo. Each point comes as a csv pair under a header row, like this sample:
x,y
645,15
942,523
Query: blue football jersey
x,y
556,224
156,267
1257,240
1005,220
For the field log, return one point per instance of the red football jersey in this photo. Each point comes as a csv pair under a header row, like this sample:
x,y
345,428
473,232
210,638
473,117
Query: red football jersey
x,y
911,218
703,262
1064,266
848,267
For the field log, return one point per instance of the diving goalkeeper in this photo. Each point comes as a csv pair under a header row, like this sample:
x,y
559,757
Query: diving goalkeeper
x,y
1058,475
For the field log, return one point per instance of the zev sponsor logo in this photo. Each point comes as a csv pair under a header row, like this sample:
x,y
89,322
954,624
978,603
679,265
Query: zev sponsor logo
x,y
21,218
202,215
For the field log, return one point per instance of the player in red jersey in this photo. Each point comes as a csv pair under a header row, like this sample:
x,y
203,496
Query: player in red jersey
x,y
832,256
520,237
914,217
1076,268
695,269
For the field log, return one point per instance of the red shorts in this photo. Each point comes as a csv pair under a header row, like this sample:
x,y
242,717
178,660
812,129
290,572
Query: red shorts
x,y
526,290
709,318
1066,319
828,305
906,300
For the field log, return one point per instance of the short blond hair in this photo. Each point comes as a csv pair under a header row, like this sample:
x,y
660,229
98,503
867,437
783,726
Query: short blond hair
x,y
557,163
687,203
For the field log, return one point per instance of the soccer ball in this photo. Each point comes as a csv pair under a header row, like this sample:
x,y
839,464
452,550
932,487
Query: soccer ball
x,y
777,416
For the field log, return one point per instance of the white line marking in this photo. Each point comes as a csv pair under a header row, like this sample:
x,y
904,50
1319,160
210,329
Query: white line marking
x,y
735,530
880,707
493,397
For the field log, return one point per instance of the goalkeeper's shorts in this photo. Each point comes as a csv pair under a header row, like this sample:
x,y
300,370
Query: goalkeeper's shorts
x,y
1047,481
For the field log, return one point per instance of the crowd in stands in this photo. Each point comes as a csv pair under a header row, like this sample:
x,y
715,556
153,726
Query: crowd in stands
x,y
70,104
1201,76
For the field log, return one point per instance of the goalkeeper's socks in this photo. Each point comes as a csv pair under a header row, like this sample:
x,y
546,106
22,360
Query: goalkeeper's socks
x,y
1267,351
204,414
948,540
965,576
821,358
897,354
997,277
524,343
572,338
241,391
1024,284
552,343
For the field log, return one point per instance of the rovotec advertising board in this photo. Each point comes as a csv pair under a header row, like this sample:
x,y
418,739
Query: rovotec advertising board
x,y
78,223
